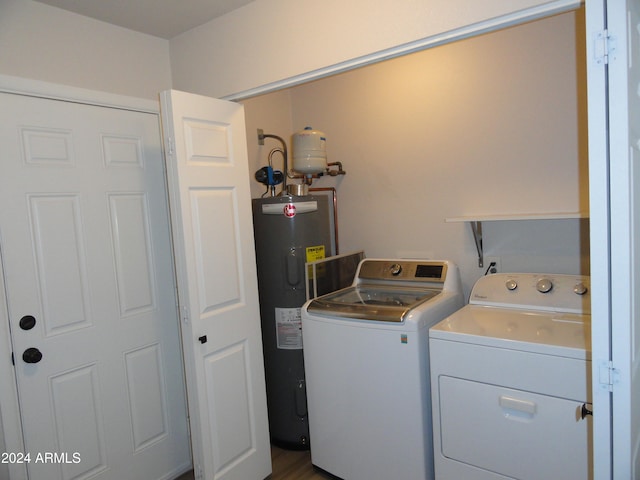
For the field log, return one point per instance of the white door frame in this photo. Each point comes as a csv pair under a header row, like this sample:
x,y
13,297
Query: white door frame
x,y
9,407
600,255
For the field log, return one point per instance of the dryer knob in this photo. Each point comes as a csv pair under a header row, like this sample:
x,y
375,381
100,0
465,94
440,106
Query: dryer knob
x,y
511,284
580,288
544,285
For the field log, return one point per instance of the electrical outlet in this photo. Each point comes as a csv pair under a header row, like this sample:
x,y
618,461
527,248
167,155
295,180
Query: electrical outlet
x,y
495,268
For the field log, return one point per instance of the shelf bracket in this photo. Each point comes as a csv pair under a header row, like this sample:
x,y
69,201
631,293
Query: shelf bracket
x,y
476,229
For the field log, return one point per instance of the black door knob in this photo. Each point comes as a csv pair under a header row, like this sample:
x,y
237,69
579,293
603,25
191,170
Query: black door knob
x,y
27,322
32,355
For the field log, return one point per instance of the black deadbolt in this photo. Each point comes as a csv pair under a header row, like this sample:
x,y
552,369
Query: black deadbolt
x,y
203,339
32,355
27,322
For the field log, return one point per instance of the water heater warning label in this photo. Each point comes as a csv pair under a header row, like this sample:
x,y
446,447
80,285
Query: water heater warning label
x,y
288,328
315,253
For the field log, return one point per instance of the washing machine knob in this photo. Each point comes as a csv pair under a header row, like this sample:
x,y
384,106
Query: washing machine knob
x,y
580,288
511,284
544,285
395,269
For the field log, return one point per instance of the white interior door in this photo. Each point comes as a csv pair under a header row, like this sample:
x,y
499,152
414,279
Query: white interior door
x,y
86,260
210,205
613,65
623,24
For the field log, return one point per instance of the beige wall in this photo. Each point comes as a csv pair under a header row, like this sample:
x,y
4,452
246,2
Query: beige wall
x,y
271,43
272,113
258,46
50,44
487,125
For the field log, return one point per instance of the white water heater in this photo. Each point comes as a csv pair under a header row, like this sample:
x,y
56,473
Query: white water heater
x,y
309,151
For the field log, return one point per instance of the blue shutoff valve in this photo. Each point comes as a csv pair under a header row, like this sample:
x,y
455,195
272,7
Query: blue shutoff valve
x,y
270,177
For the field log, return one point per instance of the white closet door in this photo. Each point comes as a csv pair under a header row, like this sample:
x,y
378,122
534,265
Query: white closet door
x,y
623,24
86,262
613,67
210,205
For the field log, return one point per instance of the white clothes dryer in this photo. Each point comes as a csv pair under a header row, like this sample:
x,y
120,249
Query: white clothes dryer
x,y
510,381
366,363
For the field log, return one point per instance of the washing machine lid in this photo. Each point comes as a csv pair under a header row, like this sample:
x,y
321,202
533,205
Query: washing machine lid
x,y
550,333
384,303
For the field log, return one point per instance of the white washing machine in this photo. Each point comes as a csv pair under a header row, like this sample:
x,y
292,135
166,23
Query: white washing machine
x,y
367,368
510,381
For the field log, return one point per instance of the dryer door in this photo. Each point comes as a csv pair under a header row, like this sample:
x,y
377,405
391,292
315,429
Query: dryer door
x,y
513,432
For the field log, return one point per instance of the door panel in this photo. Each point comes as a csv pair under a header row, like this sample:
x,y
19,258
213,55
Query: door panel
x,y
135,274
232,421
86,251
145,382
210,204
77,406
213,209
59,254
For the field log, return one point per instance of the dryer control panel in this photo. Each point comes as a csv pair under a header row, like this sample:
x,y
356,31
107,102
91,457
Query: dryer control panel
x,y
536,291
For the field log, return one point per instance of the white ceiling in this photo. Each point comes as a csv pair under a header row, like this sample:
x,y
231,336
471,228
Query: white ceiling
x,y
161,18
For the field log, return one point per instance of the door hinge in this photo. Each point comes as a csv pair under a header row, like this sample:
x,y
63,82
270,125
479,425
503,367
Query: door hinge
x,y
171,145
185,314
604,47
608,375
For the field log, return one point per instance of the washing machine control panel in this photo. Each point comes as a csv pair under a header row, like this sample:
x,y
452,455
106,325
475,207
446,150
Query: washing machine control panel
x,y
403,270
553,292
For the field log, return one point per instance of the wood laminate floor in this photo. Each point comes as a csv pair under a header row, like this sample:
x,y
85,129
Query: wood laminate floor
x,y
294,465
287,465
